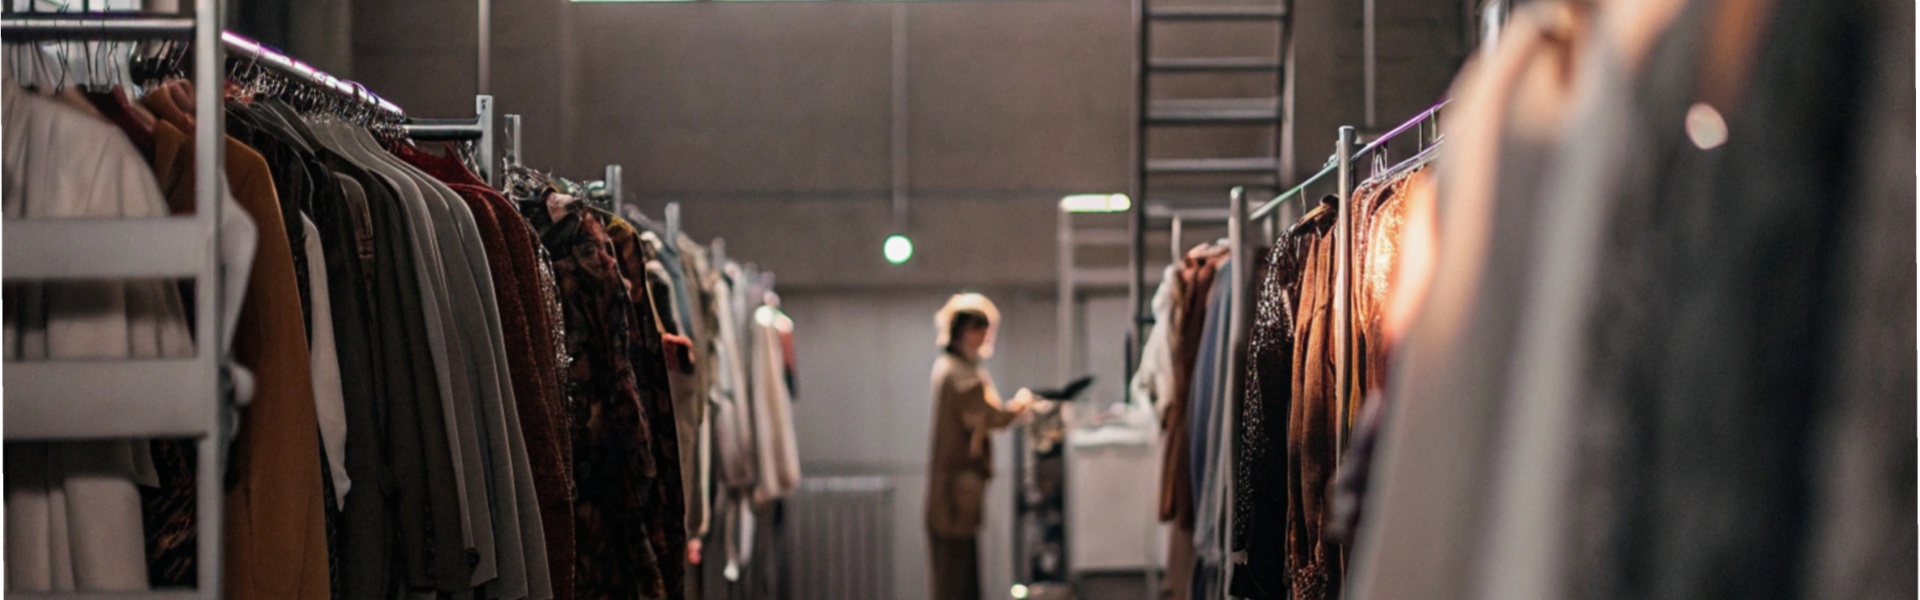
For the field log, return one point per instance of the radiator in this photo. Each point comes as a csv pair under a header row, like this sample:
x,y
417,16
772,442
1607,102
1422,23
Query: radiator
x,y
841,536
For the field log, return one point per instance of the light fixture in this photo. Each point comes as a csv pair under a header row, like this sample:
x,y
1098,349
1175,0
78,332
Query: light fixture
x,y
898,249
1096,203
1706,127
1019,591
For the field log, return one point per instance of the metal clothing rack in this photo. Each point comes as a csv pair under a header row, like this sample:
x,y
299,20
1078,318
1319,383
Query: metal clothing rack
x,y
1342,167
612,181
477,129
1233,377
1423,131
1177,220
74,400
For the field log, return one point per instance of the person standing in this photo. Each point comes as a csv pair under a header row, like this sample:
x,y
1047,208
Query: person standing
x,y
966,410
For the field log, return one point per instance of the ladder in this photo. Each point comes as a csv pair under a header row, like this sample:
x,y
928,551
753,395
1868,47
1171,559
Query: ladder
x,y
1201,121
73,400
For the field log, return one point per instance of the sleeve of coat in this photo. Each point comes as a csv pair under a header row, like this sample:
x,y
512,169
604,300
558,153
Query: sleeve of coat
x,y
982,413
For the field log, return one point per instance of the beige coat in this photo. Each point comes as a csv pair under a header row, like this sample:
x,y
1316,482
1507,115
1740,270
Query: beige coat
x,y
966,410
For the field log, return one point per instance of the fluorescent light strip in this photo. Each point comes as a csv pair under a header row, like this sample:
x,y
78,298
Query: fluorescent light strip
x,y
1096,203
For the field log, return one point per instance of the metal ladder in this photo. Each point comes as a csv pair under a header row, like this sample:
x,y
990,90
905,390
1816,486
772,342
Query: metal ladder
x,y
1238,112
1228,115
71,400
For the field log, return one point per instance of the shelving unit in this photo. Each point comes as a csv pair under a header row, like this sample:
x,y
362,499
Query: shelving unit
x,y
73,400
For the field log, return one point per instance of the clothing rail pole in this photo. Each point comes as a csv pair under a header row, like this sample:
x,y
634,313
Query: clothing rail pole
x,y
1416,121
1370,57
239,45
97,26
1272,206
483,107
512,150
483,48
1236,370
209,81
613,188
479,129
1492,17
673,222
1342,288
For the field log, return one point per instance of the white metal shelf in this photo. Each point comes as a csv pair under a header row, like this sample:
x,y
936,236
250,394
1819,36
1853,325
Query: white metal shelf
x,y
44,249
96,399
133,399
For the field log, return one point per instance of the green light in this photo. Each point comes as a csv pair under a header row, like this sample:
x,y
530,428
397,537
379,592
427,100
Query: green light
x,y
1019,592
898,249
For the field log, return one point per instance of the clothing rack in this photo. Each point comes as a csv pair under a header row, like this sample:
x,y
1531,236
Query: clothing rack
x,y
478,129
1342,168
70,400
613,188
1424,132
74,400
1234,216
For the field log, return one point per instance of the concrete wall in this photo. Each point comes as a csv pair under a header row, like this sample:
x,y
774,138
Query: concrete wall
x,y
863,364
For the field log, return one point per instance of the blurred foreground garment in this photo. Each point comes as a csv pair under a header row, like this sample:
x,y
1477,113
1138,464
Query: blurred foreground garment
x,y
1651,370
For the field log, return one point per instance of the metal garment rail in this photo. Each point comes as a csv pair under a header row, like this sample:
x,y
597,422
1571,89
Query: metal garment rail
x,y
239,46
613,189
86,399
1236,360
478,129
1425,128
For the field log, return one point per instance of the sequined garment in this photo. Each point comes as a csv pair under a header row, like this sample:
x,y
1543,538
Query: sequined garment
x,y
1260,473
650,360
614,472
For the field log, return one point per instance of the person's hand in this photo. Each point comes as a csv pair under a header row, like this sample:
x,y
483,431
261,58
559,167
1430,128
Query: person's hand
x,y
1022,400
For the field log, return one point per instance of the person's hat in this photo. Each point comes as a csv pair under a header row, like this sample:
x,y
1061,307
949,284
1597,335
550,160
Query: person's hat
x,y
967,302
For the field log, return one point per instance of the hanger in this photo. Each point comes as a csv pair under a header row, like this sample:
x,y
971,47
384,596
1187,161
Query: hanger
x,y
1315,216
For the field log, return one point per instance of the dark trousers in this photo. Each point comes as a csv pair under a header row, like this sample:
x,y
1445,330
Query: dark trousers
x,y
956,567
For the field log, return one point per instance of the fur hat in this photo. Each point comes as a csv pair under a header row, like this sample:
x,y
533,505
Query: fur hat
x,y
943,320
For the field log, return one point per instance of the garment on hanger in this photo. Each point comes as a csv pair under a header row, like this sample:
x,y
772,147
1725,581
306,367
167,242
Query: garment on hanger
x,y
1206,430
615,471
73,511
773,407
1655,332
277,508
1191,294
1152,383
540,401
652,358
1461,345
1260,469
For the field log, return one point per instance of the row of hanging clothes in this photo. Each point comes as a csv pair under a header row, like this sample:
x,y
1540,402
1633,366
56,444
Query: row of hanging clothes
x,y
1299,469
1644,330
443,389
1283,519
732,377
1181,375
